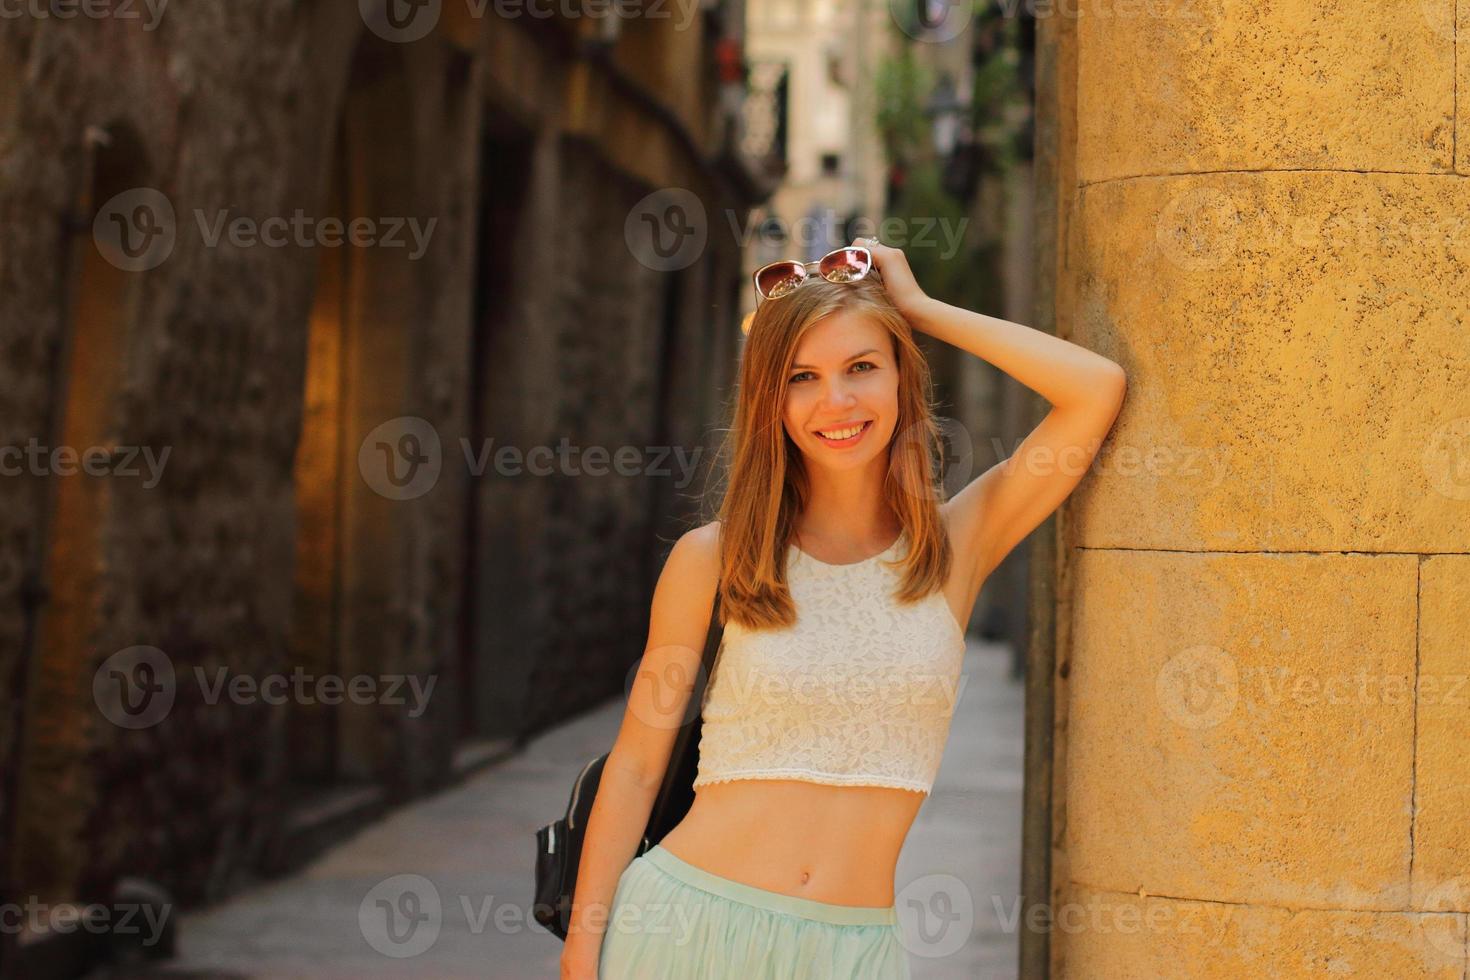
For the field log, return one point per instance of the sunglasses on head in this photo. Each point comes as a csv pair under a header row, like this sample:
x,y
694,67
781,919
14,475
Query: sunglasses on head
x,y
847,264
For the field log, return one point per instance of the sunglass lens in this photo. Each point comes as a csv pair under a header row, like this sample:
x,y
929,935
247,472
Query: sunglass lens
x,y
779,278
846,264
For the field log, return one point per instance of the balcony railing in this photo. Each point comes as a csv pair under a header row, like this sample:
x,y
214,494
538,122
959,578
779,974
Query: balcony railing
x,y
764,116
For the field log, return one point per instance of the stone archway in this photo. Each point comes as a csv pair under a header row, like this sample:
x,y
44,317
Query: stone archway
x,y
349,616
53,787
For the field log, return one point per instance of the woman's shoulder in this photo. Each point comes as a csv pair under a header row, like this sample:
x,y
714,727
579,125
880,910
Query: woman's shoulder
x,y
697,552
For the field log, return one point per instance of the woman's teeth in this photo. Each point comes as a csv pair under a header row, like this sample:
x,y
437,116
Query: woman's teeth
x,y
844,435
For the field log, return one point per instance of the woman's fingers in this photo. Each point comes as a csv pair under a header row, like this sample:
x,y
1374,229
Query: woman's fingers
x,y
893,266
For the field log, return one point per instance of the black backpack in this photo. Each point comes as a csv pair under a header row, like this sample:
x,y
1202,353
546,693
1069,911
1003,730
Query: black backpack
x,y
559,843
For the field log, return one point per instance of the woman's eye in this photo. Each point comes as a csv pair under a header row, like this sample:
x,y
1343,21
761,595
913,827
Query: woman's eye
x,y
803,374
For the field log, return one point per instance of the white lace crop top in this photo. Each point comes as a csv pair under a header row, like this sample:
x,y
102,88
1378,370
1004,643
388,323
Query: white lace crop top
x,y
859,692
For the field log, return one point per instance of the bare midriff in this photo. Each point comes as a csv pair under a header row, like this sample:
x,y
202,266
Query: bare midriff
x,y
835,844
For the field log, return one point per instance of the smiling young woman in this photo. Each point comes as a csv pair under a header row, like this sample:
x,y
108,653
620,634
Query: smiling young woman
x,y
844,579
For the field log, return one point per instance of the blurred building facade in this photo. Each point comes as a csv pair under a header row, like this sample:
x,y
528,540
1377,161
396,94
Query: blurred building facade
x,y
333,412
978,103
823,57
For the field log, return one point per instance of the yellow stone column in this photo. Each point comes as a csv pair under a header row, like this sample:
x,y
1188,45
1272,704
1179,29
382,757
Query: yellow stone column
x,y
1263,710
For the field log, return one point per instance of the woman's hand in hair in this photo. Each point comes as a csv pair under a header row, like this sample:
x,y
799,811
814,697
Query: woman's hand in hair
x,y
898,278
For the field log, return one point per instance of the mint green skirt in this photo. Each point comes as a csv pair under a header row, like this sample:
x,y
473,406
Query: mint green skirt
x,y
673,921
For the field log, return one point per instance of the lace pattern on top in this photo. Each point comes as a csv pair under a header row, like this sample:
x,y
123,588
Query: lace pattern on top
x,y
859,692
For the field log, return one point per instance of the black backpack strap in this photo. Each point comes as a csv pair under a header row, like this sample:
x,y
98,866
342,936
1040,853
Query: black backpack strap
x,y
676,792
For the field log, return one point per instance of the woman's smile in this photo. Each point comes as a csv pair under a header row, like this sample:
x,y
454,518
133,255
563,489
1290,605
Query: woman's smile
x,y
852,438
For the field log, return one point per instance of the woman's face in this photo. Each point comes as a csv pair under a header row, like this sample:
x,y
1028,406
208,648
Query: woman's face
x,y
844,377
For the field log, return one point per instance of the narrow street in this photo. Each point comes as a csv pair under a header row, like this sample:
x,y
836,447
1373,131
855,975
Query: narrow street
x,y
474,847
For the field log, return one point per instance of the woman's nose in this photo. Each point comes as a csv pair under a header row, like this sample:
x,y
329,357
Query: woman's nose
x,y
837,395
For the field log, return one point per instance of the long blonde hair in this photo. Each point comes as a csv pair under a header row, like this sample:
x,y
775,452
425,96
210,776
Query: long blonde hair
x,y
767,483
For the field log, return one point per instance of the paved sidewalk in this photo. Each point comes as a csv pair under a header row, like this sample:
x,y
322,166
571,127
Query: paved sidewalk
x,y
475,846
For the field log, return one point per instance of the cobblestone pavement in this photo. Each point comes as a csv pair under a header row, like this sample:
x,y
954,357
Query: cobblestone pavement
x,y
474,844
